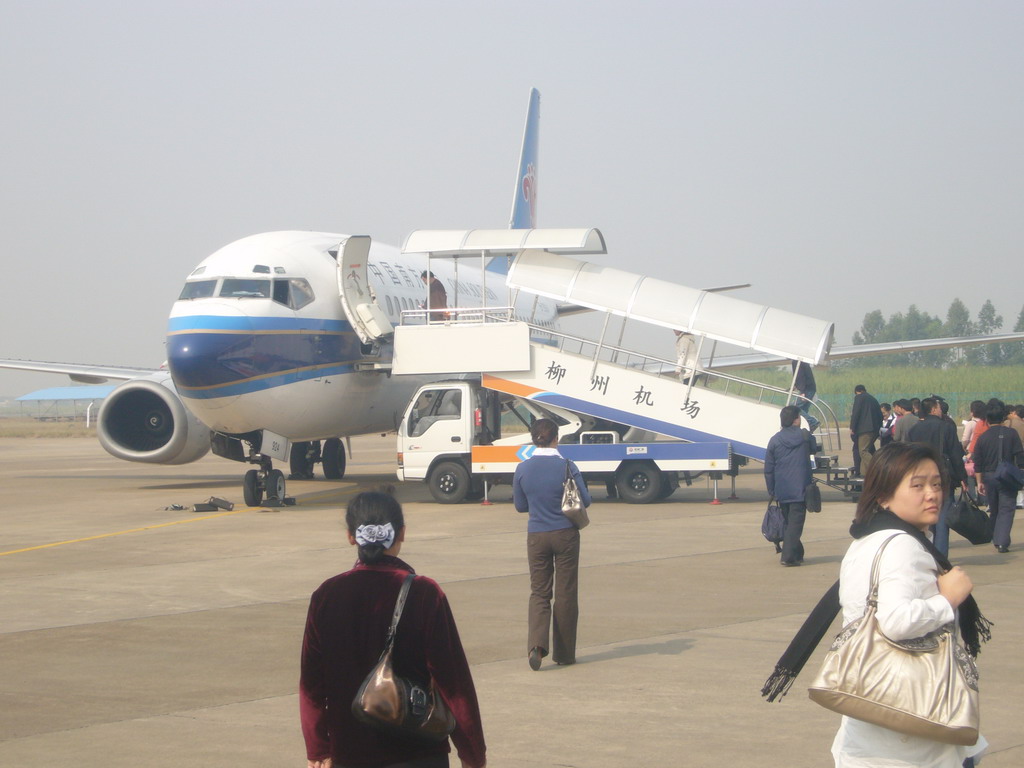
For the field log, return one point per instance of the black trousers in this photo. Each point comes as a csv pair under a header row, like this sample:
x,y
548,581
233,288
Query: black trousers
x,y
795,512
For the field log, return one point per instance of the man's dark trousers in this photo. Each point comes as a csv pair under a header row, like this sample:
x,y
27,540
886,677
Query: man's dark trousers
x,y
795,512
1002,506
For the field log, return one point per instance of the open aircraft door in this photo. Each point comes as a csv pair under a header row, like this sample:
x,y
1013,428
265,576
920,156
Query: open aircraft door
x,y
367,318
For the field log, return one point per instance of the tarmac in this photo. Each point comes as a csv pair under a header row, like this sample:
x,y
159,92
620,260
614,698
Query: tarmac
x,y
133,634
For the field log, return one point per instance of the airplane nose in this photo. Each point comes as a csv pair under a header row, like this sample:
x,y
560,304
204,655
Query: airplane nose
x,y
211,355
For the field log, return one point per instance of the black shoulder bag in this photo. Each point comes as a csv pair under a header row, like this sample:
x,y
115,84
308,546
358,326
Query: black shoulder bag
x,y
1007,474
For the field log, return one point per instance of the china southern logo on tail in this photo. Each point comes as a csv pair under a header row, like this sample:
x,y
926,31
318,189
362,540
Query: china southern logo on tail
x,y
529,186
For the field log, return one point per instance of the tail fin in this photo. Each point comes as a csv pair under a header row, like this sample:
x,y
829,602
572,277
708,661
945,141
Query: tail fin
x,y
524,202
524,205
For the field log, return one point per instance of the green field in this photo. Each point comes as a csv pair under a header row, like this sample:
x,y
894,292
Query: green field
x,y
958,385
22,426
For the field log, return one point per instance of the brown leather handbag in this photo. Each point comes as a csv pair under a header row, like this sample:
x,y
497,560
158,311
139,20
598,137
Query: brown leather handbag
x,y
396,704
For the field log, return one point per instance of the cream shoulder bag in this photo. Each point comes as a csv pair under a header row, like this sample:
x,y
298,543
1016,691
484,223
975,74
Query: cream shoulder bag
x,y
925,687
572,502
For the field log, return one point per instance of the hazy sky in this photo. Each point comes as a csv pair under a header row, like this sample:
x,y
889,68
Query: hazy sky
x,y
842,157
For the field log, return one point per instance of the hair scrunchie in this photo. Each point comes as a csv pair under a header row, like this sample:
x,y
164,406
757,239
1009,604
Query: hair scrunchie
x,y
375,534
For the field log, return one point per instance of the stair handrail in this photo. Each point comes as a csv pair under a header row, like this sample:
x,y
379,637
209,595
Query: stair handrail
x,y
648,363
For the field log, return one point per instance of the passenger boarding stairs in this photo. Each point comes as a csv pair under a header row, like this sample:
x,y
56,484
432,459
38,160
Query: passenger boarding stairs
x,y
637,398
598,379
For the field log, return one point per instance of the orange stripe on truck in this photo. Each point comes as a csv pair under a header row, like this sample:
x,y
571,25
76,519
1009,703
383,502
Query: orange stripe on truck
x,y
508,387
496,453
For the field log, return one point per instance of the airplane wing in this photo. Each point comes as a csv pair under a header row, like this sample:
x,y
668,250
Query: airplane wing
x,y
87,374
866,350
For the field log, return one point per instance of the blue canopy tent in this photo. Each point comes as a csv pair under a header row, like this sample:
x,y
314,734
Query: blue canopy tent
x,y
87,394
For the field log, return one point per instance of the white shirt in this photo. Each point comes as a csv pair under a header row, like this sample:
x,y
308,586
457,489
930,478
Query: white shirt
x,y
686,353
969,426
545,452
909,605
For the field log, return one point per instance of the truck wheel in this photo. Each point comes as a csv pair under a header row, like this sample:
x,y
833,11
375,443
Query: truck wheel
x,y
638,482
449,482
333,459
666,489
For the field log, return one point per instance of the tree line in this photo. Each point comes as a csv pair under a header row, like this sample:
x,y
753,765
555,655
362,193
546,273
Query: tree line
x,y
915,324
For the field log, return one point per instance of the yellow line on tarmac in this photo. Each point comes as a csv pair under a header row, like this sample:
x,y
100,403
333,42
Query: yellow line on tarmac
x,y
314,496
130,530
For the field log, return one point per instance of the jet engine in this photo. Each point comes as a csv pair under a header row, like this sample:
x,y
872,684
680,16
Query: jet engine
x,y
145,420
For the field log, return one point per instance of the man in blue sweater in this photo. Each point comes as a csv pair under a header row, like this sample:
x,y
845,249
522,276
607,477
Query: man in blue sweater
x,y
552,546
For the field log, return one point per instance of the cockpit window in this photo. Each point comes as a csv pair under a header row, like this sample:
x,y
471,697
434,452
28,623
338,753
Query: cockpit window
x,y
295,293
302,293
240,288
281,292
198,289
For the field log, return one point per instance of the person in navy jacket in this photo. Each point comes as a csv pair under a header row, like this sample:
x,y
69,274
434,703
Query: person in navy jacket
x,y
787,473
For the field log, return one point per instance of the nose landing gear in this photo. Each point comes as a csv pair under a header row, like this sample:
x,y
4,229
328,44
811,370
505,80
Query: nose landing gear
x,y
265,481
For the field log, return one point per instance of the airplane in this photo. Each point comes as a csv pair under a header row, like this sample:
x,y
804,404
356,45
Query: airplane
x,y
279,348
287,337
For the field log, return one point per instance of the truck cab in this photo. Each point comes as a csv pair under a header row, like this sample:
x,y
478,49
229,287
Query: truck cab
x,y
443,422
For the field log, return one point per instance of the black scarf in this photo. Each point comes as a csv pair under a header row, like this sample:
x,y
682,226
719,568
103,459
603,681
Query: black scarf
x,y
974,628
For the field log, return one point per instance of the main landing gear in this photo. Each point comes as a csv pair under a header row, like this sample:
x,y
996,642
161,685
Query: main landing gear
x,y
305,455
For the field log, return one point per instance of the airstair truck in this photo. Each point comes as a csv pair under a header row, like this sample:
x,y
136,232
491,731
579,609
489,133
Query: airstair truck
x,y
455,435
509,353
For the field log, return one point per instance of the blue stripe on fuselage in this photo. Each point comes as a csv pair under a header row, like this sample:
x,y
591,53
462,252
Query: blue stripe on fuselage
x,y
263,383
206,323
214,356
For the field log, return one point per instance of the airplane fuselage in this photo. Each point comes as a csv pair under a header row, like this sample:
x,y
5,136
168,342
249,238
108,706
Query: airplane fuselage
x,y
260,339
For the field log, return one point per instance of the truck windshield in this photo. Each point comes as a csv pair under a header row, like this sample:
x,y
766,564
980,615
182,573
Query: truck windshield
x,y
434,405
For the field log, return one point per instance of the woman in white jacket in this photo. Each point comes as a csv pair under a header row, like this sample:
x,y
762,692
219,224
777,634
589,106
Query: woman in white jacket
x,y
903,491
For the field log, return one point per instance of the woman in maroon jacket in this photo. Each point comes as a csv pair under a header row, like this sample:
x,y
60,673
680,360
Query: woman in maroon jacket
x,y
346,627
